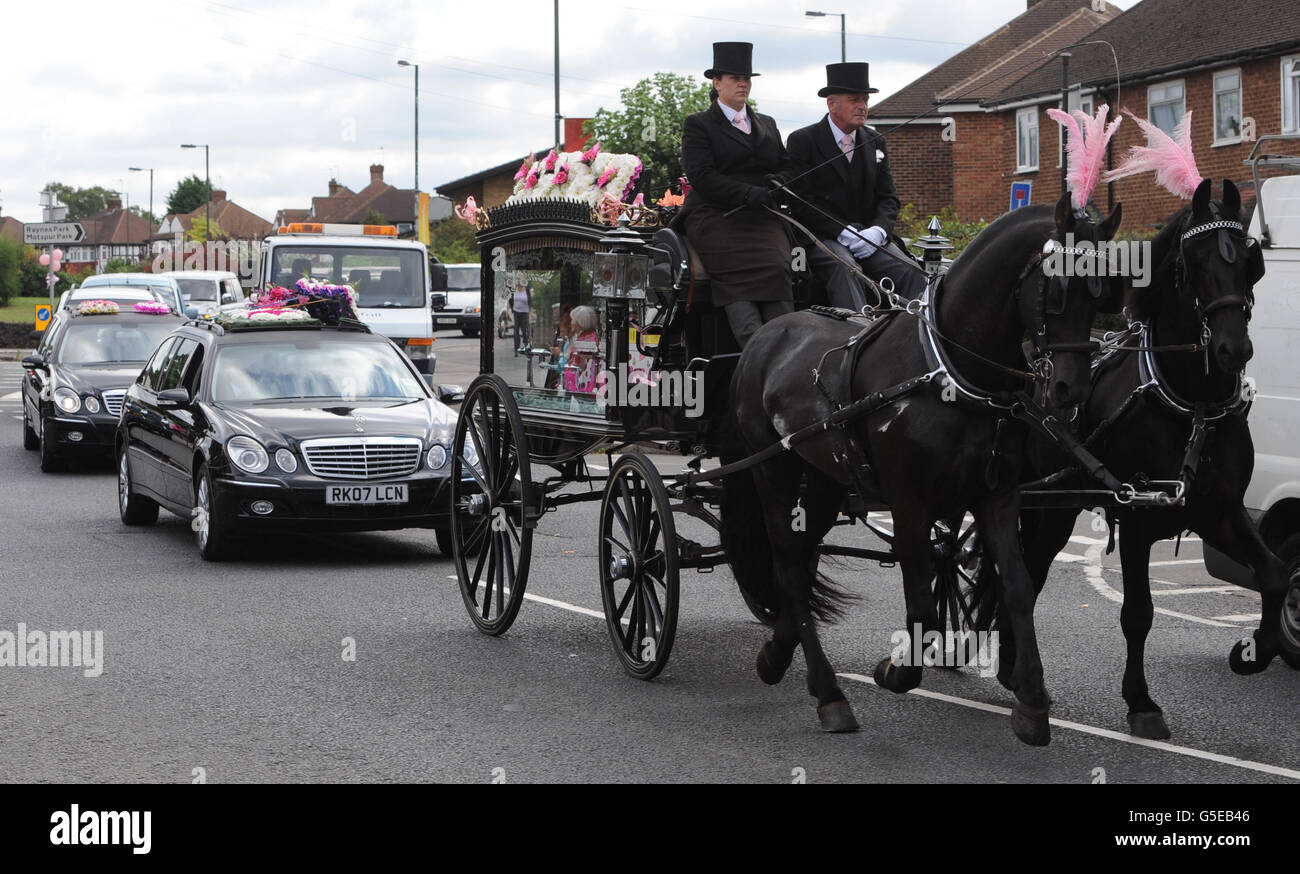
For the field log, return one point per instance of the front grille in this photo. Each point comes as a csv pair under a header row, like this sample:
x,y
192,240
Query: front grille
x,y
113,401
362,457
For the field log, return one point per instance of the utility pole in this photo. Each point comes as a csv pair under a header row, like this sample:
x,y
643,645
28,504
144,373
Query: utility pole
x,y
1065,107
417,120
558,142
149,242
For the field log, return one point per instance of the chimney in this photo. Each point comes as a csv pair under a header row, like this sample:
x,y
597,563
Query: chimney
x,y
376,174
112,203
334,187
218,195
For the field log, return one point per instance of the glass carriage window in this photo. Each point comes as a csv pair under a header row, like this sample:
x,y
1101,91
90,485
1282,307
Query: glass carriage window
x,y
1027,139
1227,106
1166,105
1291,94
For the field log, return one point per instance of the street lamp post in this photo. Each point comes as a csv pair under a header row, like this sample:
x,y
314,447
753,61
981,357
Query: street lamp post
x,y
417,120
207,181
149,244
843,56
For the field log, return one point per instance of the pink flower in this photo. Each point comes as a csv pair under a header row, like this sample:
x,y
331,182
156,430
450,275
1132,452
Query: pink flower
x,y
524,167
590,155
470,211
610,173
639,200
550,161
562,175
686,185
531,180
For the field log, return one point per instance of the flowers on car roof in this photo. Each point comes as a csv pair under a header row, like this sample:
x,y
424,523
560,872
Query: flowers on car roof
x,y
97,308
308,301
152,307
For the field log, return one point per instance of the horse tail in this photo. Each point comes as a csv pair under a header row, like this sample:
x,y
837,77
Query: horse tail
x,y
742,529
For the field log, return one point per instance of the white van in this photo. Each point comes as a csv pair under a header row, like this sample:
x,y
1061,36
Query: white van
x,y
1273,498
208,291
393,279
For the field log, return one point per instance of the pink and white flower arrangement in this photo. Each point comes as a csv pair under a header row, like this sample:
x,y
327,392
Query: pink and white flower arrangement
x,y
579,179
98,308
152,307
590,155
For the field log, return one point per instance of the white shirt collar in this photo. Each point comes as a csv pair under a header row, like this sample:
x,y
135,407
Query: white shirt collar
x,y
729,112
839,134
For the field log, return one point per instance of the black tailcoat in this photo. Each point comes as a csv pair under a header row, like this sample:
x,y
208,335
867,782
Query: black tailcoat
x,y
859,193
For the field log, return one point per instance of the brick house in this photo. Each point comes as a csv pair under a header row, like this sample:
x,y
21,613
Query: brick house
x,y
115,233
10,227
935,125
344,206
1237,69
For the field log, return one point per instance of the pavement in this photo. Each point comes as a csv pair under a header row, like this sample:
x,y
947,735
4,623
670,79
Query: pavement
x,y
320,658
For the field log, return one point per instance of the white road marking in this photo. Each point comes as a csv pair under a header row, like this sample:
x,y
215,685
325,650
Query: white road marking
x,y
1107,733
1194,590
1241,617
1092,569
1177,561
12,396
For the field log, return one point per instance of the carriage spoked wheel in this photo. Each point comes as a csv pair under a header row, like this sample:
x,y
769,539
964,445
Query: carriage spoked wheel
x,y
638,565
958,566
491,490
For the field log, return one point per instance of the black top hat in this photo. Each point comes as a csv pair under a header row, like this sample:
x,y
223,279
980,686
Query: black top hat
x,y
850,78
732,57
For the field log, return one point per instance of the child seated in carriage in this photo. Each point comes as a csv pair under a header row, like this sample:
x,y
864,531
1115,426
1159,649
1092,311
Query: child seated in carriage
x,y
583,363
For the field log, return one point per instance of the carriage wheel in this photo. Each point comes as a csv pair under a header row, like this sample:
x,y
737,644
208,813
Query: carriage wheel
x,y
491,491
959,566
638,565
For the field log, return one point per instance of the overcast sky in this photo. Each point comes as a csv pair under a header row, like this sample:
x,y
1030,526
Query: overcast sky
x,y
288,94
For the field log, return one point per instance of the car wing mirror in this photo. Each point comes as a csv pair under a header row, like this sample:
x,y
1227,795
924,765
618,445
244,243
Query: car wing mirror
x,y
438,277
191,313
35,362
173,397
450,394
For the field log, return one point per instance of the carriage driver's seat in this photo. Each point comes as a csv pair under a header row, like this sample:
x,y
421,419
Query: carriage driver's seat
x,y
668,266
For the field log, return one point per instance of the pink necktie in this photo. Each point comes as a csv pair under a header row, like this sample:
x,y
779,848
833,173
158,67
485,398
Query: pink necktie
x,y
847,145
741,121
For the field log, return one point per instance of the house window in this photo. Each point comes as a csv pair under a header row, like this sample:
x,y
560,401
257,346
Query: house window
x,y
1027,139
1166,105
1291,94
1227,107
1085,106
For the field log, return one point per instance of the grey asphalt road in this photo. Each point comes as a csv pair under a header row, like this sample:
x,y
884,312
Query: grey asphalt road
x,y
239,669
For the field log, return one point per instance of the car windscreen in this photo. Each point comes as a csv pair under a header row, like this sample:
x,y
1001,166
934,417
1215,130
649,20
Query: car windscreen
x,y
106,340
381,278
198,289
463,278
312,367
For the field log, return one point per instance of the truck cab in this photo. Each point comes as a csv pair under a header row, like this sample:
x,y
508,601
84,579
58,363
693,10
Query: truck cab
x,y
393,279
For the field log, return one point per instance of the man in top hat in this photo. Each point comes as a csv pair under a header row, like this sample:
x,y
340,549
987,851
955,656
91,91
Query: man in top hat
x,y
731,154
839,166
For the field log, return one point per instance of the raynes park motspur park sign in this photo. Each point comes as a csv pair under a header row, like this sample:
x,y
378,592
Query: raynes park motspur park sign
x,y
51,233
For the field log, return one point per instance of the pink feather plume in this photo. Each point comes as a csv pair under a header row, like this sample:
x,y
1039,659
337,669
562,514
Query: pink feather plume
x,y
1085,151
1170,158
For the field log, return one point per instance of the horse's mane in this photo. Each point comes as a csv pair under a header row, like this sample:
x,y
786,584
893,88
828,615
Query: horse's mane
x,y
1015,227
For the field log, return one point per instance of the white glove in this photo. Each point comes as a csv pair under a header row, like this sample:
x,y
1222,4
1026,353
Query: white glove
x,y
862,243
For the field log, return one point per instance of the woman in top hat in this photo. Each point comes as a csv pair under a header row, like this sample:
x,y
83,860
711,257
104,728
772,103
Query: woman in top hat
x,y
731,154
846,193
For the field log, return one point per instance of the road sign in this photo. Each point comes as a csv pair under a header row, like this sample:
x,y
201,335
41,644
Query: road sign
x,y
50,233
1020,194
43,314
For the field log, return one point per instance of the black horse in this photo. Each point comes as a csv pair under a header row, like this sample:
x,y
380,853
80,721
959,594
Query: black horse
x,y
1142,414
933,453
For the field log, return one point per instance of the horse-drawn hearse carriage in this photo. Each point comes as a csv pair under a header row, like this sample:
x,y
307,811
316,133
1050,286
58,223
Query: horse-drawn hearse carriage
x,y
939,410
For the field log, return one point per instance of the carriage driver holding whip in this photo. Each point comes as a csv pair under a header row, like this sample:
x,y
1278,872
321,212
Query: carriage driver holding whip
x,y
839,166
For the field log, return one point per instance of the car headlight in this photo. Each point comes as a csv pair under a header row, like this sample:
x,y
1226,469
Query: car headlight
x,y
285,460
92,405
436,457
67,399
247,454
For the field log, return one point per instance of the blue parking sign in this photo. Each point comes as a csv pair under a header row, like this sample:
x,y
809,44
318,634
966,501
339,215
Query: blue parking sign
x,y
42,316
1020,194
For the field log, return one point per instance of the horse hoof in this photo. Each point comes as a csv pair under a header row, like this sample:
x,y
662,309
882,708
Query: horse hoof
x,y
837,717
1245,658
1030,724
767,671
897,678
1149,725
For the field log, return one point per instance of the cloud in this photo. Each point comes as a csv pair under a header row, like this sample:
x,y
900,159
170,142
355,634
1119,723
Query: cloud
x,y
289,94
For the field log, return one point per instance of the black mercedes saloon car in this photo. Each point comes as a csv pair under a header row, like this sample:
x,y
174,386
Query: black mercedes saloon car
x,y
258,429
74,383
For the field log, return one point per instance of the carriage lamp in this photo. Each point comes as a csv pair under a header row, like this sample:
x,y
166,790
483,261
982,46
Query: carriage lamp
x,y
621,272
932,247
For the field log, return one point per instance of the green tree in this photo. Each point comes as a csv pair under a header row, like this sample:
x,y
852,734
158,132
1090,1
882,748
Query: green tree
x,y
11,273
121,265
82,203
33,281
452,241
188,195
374,217
650,124
199,230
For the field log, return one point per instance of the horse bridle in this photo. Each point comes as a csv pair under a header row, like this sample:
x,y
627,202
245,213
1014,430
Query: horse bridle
x,y
1228,253
1053,292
